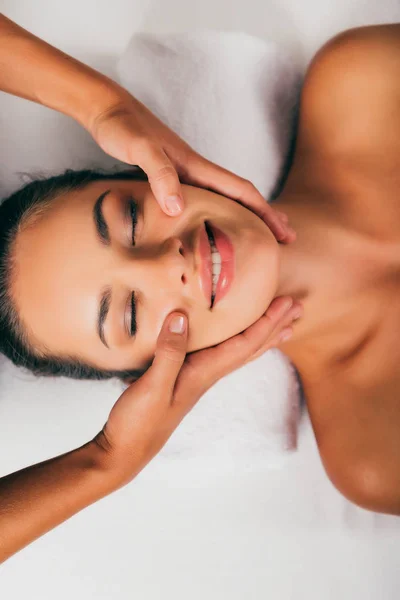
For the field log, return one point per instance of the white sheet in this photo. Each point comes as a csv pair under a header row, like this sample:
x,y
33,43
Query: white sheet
x,y
280,534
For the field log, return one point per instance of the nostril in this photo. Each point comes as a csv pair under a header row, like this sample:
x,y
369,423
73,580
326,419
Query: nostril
x,y
181,250
183,279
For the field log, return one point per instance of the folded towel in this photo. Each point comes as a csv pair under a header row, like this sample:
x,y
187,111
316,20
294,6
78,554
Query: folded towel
x,y
234,99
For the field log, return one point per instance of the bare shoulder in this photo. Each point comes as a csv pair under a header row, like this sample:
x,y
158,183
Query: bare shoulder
x,y
357,432
350,101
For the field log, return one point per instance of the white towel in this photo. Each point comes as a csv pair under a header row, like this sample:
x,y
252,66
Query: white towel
x,y
233,98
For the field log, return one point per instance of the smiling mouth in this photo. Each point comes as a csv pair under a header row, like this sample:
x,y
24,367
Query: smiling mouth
x,y
216,262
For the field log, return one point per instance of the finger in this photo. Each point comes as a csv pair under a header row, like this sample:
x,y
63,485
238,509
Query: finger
x,y
163,179
209,365
282,215
284,327
284,320
170,352
205,173
269,215
290,232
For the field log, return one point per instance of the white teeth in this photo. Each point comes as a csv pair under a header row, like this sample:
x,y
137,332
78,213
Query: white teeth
x,y
216,266
216,269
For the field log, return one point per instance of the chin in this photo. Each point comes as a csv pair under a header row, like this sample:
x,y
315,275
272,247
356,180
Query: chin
x,y
252,291
233,317
256,287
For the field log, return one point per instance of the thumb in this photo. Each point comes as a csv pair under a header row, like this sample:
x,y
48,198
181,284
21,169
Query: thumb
x,y
170,352
163,180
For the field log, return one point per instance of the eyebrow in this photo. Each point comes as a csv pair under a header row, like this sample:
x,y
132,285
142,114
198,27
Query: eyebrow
x,y
100,224
104,307
104,237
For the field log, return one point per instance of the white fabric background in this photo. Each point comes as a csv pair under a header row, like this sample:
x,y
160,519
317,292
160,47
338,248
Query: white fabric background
x,y
281,534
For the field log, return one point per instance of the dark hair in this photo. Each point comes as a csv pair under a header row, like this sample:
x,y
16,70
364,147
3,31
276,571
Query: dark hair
x,y
15,211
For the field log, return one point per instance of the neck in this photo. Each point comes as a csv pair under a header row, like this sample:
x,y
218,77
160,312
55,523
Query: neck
x,y
312,272
297,260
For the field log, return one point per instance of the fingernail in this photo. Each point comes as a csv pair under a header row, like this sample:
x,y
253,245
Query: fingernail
x,y
174,205
287,304
285,335
282,229
297,312
177,325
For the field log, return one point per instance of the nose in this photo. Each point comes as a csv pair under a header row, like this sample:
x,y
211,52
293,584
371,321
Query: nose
x,y
158,270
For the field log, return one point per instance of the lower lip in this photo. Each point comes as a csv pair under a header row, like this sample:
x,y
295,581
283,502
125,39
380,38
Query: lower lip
x,y
227,254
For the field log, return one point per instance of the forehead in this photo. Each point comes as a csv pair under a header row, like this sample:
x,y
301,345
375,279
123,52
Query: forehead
x,y
56,260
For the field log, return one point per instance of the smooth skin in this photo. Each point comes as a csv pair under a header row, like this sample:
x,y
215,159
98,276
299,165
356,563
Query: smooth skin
x,y
38,498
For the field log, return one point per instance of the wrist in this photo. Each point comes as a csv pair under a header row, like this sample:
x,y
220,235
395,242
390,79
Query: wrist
x,y
113,467
99,97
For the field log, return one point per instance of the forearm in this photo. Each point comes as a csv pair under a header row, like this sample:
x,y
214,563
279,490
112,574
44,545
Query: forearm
x,y
32,69
36,499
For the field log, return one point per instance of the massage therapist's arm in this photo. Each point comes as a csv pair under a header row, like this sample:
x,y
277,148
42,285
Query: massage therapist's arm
x,y
36,499
121,125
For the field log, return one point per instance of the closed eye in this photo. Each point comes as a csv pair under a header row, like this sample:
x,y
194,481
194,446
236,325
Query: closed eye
x,y
133,214
133,315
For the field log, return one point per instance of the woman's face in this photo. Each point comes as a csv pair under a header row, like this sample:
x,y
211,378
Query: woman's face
x,y
76,265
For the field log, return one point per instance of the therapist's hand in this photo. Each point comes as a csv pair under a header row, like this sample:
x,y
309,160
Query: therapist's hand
x,y
151,408
130,132
120,124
